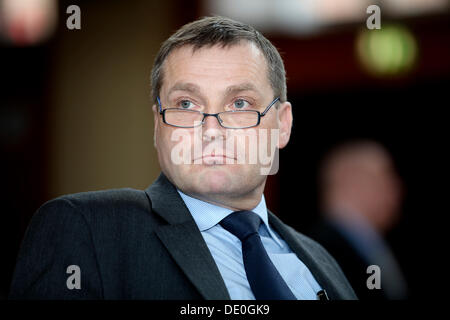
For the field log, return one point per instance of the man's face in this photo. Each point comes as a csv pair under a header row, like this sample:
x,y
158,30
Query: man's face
x,y
212,80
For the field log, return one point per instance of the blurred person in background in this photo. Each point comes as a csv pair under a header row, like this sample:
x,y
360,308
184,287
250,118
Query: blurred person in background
x,y
361,195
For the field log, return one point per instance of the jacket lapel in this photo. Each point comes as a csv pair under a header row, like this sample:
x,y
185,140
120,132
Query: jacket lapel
x,y
183,240
313,265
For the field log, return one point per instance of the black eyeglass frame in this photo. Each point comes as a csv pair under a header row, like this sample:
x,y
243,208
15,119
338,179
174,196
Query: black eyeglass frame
x,y
216,115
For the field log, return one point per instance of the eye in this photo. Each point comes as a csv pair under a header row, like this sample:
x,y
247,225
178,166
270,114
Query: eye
x,y
240,104
185,104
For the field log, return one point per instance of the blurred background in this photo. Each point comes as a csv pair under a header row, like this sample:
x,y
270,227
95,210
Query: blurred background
x,y
75,115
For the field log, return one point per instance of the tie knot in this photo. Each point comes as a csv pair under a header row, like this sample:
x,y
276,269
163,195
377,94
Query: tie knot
x,y
241,223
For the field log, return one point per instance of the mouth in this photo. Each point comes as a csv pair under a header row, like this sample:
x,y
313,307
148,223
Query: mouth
x,y
210,159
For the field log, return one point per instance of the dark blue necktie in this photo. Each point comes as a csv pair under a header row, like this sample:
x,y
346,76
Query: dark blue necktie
x,y
263,277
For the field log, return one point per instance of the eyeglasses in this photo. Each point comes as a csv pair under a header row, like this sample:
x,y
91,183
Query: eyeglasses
x,y
234,119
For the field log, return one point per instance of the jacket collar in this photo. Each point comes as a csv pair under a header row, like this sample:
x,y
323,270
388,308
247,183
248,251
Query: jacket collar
x,y
316,267
183,240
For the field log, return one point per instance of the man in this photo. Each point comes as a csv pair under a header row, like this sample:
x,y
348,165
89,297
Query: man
x,y
361,195
201,230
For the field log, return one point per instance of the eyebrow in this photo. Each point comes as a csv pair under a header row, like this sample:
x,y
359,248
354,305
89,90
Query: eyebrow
x,y
246,86
185,86
193,88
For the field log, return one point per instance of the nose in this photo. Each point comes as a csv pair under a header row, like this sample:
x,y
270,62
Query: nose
x,y
211,121
212,128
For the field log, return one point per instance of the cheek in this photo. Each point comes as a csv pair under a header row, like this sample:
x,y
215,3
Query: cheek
x,y
274,128
268,143
162,143
253,148
169,139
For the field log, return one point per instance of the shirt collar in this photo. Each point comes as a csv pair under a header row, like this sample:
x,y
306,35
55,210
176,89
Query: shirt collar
x,y
206,215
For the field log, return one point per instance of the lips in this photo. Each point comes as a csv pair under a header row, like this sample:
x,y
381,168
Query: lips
x,y
214,158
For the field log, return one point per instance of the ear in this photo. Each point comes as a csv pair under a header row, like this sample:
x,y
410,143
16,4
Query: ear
x,y
284,123
155,124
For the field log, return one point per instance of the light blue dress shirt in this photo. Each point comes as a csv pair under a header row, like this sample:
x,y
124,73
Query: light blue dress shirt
x,y
226,250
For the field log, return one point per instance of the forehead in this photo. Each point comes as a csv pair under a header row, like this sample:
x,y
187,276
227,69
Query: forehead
x,y
216,67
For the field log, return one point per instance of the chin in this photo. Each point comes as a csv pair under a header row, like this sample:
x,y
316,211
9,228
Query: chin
x,y
215,180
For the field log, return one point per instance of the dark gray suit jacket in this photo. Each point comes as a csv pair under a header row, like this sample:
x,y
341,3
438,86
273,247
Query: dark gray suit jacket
x,y
133,244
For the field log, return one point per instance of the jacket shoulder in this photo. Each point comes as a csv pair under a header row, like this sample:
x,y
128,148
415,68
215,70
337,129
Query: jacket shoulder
x,y
123,196
72,230
103,202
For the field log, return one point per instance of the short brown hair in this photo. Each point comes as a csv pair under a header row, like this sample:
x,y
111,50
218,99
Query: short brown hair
x,y
210,31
